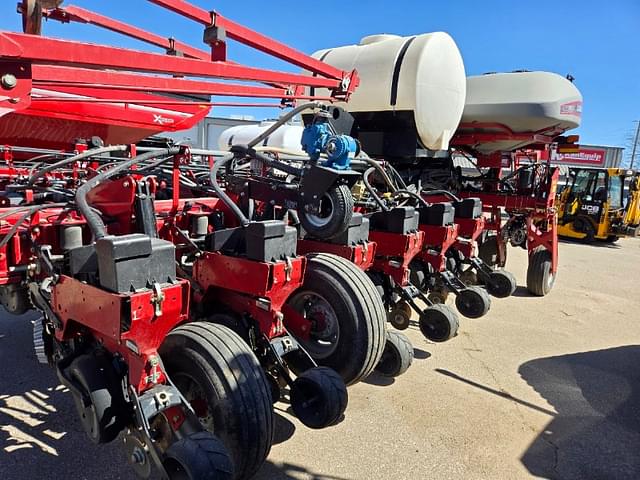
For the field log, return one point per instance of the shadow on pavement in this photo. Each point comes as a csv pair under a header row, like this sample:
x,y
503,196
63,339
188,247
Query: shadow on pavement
x,y
420,354
379,380
523,292
595,243
288,471
499,393
596,432
41,437
283,429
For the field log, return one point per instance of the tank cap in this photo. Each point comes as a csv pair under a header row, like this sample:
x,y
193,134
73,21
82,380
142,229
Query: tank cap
x,y
381,37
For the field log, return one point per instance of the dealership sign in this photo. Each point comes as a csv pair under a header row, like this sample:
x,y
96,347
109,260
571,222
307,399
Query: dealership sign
x,y
591,157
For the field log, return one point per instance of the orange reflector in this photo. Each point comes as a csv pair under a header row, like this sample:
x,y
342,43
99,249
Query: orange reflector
x,y
568,148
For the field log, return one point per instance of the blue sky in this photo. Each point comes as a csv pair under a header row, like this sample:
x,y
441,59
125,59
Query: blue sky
x,y
598,42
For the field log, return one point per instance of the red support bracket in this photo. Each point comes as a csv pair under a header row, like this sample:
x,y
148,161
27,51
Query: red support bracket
x,y
546,238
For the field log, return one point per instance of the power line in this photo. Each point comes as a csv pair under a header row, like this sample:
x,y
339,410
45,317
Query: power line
x,y
635,145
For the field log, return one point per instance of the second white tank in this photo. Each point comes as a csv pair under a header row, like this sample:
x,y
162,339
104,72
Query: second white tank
x,y
286,137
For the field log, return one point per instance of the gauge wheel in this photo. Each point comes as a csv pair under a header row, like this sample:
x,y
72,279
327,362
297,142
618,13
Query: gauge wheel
x,y
331,216
473,302
198,456
221,378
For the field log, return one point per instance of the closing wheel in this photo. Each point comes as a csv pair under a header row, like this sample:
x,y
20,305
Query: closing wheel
x,y
421,274
105,414
221,378
488,251
438,296
469,277
346,316
540,279
397,356
198,456
400,316
501,284
333,215
473,302
319,397
439,323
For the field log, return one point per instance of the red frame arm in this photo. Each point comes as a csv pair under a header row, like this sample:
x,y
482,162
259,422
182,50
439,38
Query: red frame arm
x,y
260,42
71,13
50,75
69,53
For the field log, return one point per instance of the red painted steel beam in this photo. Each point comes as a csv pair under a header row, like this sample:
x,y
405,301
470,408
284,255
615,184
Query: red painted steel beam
x,y
471,138
61,52
260,42
151,102
256,40
161,102
71,13
78,77
478,132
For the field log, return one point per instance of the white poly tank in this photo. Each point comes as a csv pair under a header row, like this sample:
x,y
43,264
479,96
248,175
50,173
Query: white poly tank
x,y
523,101
287,137
423,75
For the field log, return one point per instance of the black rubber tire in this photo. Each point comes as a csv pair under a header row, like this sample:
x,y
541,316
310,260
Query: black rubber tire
x,y
438,296
540,280
198,456
439,323
501,284
488,251
400,316
319,397
106,415
359,310
397,356
236,391
419,273
612,239
232,322
473,302
342,211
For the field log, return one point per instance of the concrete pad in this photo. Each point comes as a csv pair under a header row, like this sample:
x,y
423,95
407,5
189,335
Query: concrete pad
x,y
539,388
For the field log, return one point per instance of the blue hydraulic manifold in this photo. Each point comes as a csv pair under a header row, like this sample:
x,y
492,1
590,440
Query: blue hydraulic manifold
x,y
318,138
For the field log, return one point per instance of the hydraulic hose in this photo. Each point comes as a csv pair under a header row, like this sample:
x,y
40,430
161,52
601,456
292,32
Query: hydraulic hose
x,y
375,164
282,120
365,180
29,211
89,153
446,193
399,178
222,195
412,195
93,219
251,153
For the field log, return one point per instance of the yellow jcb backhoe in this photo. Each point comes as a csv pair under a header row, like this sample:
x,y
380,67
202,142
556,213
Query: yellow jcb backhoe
x,y
600,204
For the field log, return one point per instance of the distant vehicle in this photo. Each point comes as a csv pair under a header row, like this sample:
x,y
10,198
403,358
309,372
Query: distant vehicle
x,y
600,204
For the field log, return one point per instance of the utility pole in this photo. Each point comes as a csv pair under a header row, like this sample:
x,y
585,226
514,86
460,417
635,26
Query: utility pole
x,y
635,145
